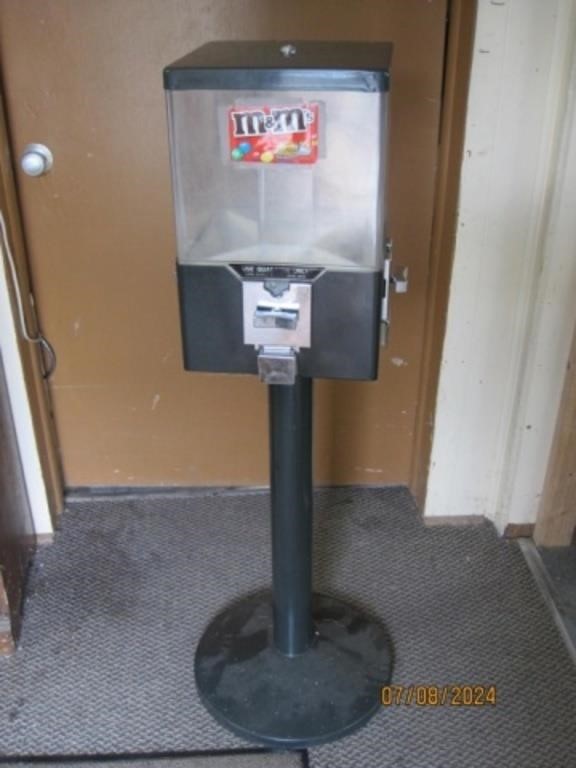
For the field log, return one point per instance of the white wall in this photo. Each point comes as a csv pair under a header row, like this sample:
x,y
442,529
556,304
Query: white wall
x,y
512,301
20,407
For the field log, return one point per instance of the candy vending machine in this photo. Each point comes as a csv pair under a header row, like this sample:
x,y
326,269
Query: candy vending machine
x,y
278,155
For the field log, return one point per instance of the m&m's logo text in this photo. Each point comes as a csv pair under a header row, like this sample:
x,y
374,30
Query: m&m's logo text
x,y
274,134
278,121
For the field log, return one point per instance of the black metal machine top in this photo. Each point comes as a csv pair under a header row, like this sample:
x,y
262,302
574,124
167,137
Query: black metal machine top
x,y
283,66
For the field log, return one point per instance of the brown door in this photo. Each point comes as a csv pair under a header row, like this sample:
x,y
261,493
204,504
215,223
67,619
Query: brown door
x,y
84,78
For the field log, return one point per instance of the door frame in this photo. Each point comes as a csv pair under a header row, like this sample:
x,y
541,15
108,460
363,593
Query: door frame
x,y
27,389
511,311
457,65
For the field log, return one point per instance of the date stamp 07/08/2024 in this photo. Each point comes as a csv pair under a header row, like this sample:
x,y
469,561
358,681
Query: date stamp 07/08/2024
x,y
439,695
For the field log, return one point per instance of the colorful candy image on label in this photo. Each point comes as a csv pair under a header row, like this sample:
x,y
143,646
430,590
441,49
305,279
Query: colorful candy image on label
x,y
274,134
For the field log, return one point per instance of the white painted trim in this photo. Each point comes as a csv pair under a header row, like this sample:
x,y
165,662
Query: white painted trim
x,y
21,414
548,350
493,391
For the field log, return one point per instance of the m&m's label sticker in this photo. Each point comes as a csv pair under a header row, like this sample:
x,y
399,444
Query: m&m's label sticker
x,y
274,134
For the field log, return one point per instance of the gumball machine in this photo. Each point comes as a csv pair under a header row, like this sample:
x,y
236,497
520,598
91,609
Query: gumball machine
x,y
278,154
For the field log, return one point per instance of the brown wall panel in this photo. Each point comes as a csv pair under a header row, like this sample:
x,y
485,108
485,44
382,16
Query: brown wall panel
x,y
85,79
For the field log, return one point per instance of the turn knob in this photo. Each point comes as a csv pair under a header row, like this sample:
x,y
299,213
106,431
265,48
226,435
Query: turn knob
x,y
36,160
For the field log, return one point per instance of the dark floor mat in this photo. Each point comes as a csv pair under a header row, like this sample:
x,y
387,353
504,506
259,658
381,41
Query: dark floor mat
x,y
118,603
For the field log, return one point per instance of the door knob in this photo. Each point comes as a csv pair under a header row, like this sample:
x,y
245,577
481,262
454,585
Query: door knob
x,y
36,160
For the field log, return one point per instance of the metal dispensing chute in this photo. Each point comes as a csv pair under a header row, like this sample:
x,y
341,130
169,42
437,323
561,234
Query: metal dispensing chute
x,y
278,158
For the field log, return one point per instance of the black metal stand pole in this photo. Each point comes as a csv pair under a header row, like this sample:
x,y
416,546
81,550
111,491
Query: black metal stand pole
x,y
291,500
291,669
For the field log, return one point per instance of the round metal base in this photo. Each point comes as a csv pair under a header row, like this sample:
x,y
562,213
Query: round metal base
x,y
325,693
